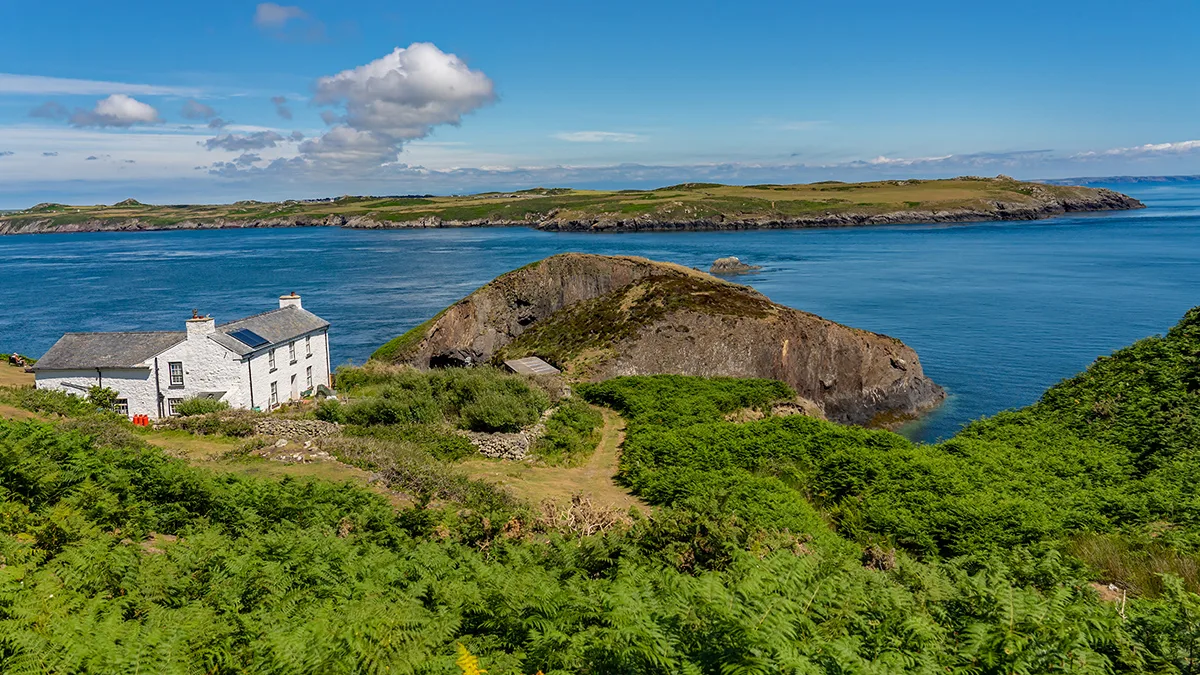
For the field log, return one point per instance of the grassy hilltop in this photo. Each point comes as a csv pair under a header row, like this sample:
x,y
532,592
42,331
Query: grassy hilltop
x,y
684,206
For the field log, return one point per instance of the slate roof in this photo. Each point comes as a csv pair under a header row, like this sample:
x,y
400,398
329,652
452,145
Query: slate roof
x,y
276,326
85,351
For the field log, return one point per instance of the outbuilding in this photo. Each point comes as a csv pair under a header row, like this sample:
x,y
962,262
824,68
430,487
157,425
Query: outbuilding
x,y
255,363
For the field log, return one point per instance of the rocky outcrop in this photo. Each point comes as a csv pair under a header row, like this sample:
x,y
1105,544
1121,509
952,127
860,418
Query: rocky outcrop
x,y
732,265
470,331
598,317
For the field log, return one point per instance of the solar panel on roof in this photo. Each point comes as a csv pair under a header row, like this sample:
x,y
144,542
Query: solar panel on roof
x,y
249,338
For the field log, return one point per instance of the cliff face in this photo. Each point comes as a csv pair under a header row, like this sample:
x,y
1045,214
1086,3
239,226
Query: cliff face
x,y
598,317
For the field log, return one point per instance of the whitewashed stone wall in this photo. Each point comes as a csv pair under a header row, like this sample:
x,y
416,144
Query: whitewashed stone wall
x,y
207,367
263,376
134,385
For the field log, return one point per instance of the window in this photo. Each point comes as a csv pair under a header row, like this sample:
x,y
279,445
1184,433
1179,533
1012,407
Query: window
x,y
123,406
171,403
293,391
271,359
274,394
308,347
176,368
292,351
308,375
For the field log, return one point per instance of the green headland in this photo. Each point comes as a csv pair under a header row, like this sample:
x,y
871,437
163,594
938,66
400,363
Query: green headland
x,y
699,206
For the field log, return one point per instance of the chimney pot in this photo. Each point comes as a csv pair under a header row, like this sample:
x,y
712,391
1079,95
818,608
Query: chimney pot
x,y
290,300
200,326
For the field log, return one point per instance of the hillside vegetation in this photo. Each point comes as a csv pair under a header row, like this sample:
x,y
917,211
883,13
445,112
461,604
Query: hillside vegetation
x,y
687,206
783,544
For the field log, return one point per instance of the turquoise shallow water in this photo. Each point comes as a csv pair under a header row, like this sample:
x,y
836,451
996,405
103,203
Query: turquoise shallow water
x,y
997,311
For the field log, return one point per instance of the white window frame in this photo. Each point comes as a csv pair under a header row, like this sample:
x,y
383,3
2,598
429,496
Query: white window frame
x,y
274,400
122,405
292,351
171,403
271,359
308,347
171,367
308,375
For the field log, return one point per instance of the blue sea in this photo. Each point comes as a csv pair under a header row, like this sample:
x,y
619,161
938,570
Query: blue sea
x,y
997,311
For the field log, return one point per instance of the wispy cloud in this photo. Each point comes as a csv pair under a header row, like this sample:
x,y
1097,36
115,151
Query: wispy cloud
x,y
259,140
288,22
281,107
598,137
46,86
1147,150
7,153
195,110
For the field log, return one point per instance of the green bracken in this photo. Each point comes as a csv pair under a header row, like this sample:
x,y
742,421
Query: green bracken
x,y
785,544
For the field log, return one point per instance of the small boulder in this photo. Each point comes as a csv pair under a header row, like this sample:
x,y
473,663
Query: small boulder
x,y
731,265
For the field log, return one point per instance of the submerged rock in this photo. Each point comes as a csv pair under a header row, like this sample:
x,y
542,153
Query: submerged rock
x,y
597,317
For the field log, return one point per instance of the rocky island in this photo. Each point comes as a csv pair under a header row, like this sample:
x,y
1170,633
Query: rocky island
x,y
688,206
732,265
598,317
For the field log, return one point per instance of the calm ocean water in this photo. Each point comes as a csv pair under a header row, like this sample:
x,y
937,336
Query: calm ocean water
x,y
997,312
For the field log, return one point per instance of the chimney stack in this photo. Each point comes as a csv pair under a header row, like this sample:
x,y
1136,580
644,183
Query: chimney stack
x,y
200,326
291,300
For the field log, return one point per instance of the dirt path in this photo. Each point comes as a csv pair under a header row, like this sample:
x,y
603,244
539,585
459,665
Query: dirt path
x,y
593,479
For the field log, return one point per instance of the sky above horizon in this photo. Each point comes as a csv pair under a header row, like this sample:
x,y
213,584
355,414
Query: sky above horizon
x,y
174,102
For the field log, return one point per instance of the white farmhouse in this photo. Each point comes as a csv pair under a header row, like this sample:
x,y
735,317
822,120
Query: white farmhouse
x,y
256,363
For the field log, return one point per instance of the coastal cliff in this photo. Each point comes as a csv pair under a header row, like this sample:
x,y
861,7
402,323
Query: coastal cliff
x,y
685,207
598,317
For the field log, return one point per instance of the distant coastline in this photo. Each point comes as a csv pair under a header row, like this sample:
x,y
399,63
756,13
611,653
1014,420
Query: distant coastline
x,y
1122,180
685,207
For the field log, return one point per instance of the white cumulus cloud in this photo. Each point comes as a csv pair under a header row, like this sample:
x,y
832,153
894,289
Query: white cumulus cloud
x,y
598,137
405,94
117,110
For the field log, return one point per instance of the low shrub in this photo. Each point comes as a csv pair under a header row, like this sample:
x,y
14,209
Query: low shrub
x,y
437,441
330,410
572,434
200,406
235,423
47,401
103,398
478,399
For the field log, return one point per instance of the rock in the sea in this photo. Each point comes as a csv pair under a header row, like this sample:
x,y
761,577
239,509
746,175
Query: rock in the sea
x,y
597,317
731,265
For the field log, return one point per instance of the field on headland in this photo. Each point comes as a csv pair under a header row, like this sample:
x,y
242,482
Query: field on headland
x,y
684,206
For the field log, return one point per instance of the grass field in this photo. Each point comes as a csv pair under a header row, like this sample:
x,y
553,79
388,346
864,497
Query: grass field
x,y
688,202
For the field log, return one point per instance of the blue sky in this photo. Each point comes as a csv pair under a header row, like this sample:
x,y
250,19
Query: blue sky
x,y
224,100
